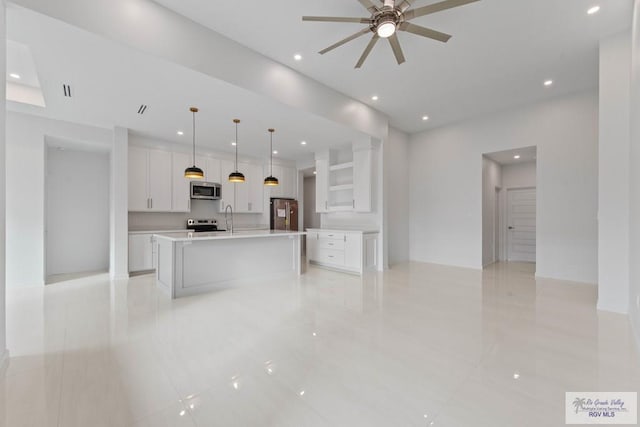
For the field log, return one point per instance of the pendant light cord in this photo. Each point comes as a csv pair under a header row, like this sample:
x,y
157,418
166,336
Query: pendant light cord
x,y
271,149
194,138
237,145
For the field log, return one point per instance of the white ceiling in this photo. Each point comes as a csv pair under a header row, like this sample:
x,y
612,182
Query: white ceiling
x,y
500,53
110,81
507,157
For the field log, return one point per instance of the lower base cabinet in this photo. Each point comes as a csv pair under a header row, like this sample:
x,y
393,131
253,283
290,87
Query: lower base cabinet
x,y
349,251
141,252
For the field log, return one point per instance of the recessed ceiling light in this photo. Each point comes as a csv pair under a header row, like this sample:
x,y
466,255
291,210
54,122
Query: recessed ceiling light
x,y
593,10
180,133
233,143
275,151
297,57
517,156
315,173
374,98
303,143
15,76
516,376
548,82
425,118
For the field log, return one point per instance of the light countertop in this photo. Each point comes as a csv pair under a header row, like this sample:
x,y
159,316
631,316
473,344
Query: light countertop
x,y
251,234
344,230
164,230
157,230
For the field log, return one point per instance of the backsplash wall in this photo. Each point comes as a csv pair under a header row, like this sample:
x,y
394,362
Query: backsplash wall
x,y
200,209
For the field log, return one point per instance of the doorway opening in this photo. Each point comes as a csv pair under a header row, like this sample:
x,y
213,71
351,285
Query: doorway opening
x,y
76,211
509,206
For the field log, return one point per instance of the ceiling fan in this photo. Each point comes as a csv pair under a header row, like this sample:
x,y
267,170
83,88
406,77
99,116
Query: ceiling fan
x,y
386,19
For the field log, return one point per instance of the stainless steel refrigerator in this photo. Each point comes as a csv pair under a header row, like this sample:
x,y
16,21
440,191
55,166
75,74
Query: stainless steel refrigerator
x,y
284,214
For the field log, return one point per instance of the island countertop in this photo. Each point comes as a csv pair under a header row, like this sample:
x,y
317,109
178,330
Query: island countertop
x,y
184,236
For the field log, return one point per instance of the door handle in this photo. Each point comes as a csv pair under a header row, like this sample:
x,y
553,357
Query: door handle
x,y
511,228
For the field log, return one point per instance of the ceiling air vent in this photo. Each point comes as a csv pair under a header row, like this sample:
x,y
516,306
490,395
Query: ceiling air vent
x,y
67,90
142,109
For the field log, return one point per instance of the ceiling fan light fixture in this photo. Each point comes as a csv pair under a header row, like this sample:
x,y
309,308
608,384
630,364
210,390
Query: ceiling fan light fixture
x,y
386,29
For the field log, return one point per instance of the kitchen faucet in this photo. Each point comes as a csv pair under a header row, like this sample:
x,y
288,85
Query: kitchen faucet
x,y
226,221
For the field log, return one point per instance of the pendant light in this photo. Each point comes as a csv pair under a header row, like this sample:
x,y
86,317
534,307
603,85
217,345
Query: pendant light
x,y
194,172
236,176
271,180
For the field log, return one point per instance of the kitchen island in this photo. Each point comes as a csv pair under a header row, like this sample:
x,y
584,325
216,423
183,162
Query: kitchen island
x,y
190,263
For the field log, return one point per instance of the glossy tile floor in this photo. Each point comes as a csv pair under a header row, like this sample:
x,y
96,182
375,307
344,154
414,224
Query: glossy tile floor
x,y
419,345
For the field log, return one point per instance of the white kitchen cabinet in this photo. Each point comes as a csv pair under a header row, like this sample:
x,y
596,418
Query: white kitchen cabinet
x,y
345,250
322,185
228,188
362,177
287,181
210,167
353,246
141,252
256,189
150,180
249,195
181,197
138,179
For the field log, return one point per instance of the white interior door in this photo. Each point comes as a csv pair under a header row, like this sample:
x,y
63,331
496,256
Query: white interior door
x,y
521,225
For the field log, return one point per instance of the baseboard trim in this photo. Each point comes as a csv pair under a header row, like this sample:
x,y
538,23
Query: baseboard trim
x,y
4,362
119,276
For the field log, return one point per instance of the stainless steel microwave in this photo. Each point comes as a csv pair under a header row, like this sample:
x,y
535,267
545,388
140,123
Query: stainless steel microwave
x,y
205,190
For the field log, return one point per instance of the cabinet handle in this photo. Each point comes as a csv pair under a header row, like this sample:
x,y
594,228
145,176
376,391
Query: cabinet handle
x,y
330,244
151,202
354,203
148,203
345,238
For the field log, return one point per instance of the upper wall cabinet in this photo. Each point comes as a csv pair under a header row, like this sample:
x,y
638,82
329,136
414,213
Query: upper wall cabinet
x,y
288,181
210,167
150,180
245,197
181,200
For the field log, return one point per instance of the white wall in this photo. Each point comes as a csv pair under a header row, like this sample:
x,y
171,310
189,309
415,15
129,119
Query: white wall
x,y
77,211
519,175
396,190
446,201
118,205
311,218
634,159
491,178
3,58
613,182
25,191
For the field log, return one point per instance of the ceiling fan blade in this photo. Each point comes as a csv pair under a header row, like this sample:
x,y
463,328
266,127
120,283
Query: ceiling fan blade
x,y
348,39
368,4
336,19
436,7
397,50
367,50
424,32
404,5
